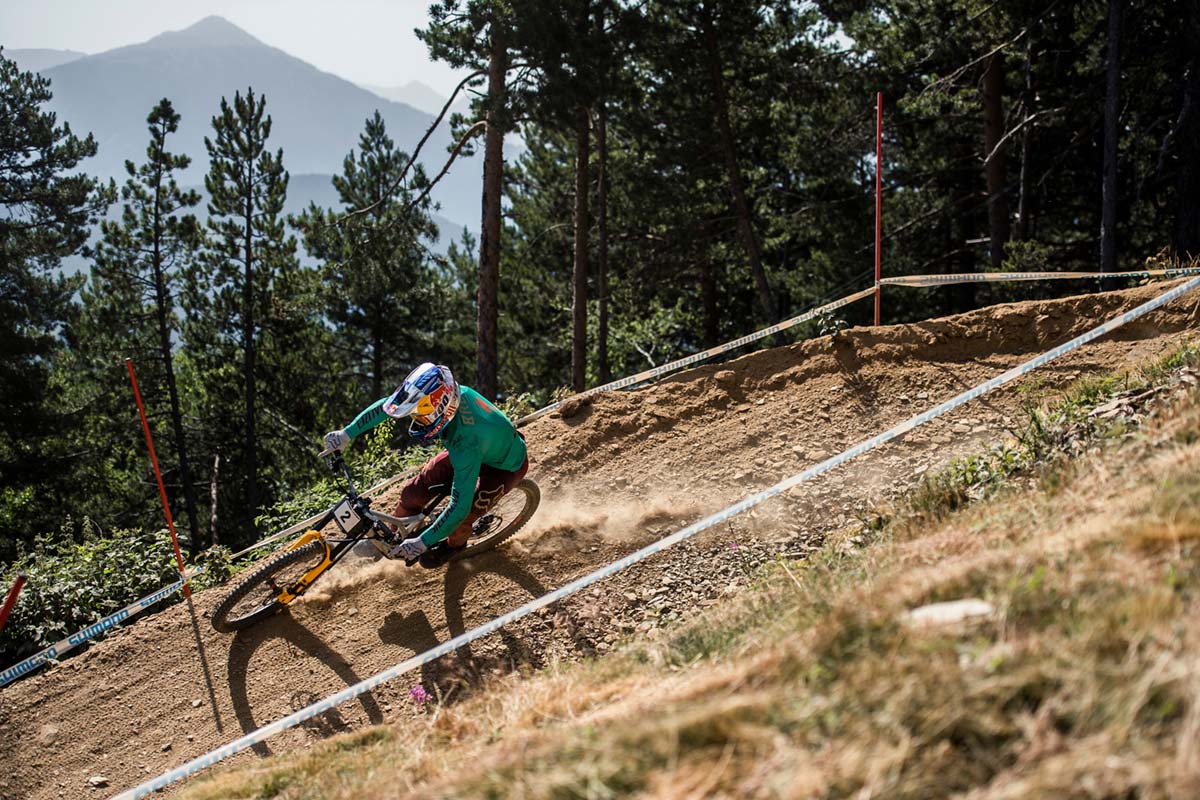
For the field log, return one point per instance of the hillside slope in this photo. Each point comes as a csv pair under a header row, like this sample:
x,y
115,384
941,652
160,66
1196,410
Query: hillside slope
x,y
616,472
1022,626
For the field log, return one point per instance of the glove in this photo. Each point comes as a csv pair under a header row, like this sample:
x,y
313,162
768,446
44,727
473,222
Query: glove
x,y
337,441
410,549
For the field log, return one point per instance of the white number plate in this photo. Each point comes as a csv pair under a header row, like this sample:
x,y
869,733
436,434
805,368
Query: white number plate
x,y
345,516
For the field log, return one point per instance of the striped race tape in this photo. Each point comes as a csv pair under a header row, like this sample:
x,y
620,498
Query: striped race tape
x,y
998,277
91,631
704,355
349,693
623,383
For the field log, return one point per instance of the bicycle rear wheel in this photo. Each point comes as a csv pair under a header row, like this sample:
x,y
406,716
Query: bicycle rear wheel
x,y
504,519
257,596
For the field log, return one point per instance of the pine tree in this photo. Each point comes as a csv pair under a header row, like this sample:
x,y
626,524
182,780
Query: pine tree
x,y
377,285
46,210
250,272
129,307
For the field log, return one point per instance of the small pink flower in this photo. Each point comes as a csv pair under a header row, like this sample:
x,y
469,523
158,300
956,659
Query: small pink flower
x,y
419,695
733,545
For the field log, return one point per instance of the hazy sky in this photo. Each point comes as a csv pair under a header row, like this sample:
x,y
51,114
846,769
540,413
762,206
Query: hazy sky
x,y
365,41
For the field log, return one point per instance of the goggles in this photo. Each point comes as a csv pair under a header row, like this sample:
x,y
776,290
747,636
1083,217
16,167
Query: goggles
x,y
423,413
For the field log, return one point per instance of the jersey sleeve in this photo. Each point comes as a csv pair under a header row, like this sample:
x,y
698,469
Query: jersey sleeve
x,y
466,461
368,419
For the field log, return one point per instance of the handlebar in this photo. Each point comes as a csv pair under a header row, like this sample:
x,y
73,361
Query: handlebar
x,y
337,463
335,460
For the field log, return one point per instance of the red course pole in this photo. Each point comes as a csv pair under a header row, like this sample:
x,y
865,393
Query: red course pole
x,y
11,600
162,492
878,185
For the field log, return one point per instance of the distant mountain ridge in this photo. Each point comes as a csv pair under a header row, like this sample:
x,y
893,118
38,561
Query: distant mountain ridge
x,y
36,59
413,93
316,116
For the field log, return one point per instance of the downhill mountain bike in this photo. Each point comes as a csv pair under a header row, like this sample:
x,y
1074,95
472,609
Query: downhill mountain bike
x,y
273,585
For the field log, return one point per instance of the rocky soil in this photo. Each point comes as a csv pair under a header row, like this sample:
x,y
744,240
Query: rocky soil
x,y
617,471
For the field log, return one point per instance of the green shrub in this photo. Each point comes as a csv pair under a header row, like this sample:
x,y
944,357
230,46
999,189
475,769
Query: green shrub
x,y
74,584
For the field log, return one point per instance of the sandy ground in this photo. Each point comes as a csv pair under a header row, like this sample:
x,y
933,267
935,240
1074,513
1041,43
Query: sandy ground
x,y
617,471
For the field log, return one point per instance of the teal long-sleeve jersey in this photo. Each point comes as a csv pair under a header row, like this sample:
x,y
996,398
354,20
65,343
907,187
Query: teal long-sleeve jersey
x,y
479,434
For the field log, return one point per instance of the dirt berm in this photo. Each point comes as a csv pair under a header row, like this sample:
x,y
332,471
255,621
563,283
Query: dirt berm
x,y
616,471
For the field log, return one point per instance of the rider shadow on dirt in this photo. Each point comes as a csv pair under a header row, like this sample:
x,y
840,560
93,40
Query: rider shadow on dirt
x,y
461,668
295,635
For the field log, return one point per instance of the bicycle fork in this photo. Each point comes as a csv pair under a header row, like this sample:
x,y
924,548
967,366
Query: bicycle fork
x,y
290,593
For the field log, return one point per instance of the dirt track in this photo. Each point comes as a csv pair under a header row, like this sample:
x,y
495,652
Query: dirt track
x,y
615,473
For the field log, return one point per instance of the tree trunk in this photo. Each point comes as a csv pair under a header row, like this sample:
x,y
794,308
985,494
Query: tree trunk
x,y
996,164
708,302
1108,214
487,299
1023,202
376,362
212,499
249,362
164,345
962,228
749,239
579,287
1187,223
604,372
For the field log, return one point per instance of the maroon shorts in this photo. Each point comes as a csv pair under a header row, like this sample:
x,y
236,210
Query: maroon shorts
x,y
438,474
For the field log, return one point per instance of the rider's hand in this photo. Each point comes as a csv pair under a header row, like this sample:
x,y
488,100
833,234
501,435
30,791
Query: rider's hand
x,y
337,440
411,549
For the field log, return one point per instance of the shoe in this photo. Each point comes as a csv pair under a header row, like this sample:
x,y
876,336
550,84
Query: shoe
x,y
438,555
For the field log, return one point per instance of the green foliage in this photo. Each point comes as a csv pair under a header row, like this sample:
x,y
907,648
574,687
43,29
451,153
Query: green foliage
x,y
256,355
379,289
72,585
1028,257
47,206
128,310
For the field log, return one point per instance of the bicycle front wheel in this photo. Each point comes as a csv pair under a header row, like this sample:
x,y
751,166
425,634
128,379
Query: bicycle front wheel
x,y
257,596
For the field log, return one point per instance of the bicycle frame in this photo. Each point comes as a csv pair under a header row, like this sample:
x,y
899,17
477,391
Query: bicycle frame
x,y
357,521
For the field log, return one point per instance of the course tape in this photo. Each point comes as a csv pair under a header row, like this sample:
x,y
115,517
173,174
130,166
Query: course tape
x,y
349,693
704,355
91,631
997,277
695,358
623,383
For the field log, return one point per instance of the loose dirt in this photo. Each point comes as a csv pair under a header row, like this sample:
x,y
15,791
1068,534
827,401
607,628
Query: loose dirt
x,y
617,471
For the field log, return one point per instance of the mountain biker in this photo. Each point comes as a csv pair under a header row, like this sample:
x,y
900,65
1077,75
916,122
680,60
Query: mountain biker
x,y
484,458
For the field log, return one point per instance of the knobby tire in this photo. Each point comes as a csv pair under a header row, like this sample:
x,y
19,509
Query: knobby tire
x,y
221,621
533,496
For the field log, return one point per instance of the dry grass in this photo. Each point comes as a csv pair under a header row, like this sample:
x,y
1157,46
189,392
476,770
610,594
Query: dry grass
x,y
1084,683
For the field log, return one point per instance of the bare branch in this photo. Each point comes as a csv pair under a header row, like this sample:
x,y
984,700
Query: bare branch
x,y
1027,121
477,127
416,152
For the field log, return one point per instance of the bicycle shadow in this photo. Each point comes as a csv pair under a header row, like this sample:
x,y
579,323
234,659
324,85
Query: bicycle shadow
x,y
457,670
283,626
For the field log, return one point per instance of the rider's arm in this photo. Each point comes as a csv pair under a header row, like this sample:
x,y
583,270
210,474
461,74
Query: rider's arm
x,y
368,419
466,462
